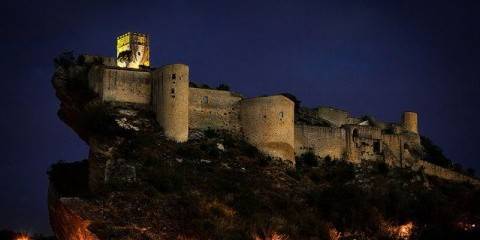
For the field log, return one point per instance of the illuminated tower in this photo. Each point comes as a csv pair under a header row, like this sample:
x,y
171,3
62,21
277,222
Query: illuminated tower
x,y
410,121
170,91
133,50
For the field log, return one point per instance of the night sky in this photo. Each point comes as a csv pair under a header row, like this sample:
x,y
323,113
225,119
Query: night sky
x,y
368,57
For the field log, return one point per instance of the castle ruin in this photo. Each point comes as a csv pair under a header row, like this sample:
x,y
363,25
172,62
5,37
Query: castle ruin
x,y
271,123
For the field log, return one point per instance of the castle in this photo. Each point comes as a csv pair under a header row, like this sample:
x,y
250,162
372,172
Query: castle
x,y
271,123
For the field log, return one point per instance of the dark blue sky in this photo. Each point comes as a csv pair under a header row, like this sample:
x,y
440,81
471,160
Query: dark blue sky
x,y
369,57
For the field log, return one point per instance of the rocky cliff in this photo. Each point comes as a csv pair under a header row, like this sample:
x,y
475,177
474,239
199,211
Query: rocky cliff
x,y
136,184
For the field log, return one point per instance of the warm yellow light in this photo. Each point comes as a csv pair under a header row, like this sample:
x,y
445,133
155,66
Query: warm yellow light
x,y
23,237
133,50
405,230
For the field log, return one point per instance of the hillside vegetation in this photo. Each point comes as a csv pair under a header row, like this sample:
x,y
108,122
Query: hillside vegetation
x,y
217,186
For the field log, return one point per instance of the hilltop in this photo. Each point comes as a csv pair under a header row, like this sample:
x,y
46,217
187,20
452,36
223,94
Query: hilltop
x,y
139,184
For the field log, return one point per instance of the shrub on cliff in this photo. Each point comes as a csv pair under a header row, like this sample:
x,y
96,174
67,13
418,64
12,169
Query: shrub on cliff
x,y
434,153
210,133
205,86
308,159
65,60
162,176
224,87
75,76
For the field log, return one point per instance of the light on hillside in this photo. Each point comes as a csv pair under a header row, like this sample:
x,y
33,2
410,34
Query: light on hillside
x,y
23,237
405,231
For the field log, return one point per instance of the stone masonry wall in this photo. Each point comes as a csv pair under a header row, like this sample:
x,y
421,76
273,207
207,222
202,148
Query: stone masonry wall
x,y
121,85
363,142
170,100
215,109
393,142
268,124
95,79
323,141
434,170
410,121
368,132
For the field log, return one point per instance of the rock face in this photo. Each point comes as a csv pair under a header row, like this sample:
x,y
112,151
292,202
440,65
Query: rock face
x,y
67,219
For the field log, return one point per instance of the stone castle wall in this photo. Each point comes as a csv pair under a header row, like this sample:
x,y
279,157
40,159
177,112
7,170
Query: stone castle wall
x,y
367,132
268,124
393,142
411,138
121,85
435,170
170,100
323,141
265,122
400,148
410,121
363,142
215,109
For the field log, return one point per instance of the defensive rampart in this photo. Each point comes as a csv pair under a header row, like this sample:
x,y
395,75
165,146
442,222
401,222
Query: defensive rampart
x,y
120,85
268,124
170,100
435,170
214,109
323,141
